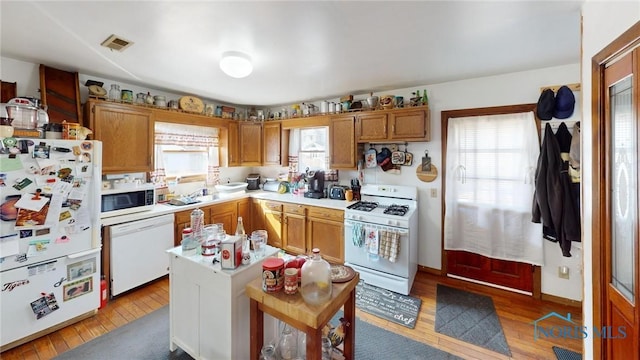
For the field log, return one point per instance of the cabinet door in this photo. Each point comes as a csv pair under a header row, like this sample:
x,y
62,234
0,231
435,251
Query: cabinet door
x,y
371,127
225,213
233,144
182,220
294,229
409,125
244,210
273,225
328,236
343,144
272,143
127,137
257,216
250,144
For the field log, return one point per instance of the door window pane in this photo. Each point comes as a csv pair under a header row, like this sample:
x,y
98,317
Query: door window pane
x,y
624,174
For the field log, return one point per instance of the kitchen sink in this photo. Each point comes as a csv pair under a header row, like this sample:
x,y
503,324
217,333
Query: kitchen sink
x,y
232,187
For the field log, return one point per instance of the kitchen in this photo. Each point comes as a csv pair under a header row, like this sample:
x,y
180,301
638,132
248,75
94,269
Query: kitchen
x,y
513,87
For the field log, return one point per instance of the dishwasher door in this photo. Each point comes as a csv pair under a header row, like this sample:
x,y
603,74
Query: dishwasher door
x,y
138,252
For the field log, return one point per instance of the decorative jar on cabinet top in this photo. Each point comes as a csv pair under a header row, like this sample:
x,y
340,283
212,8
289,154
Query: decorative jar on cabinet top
x,y
315,281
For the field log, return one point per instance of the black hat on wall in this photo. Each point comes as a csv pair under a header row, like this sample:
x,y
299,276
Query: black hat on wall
x,y
565,103
546,105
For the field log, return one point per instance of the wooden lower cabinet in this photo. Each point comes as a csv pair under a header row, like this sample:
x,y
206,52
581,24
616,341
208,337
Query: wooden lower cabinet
x,y
182,220
325,231
294,229
267,215
223,213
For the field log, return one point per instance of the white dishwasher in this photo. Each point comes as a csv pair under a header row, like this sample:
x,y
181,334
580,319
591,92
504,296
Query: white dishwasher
x,y
138,252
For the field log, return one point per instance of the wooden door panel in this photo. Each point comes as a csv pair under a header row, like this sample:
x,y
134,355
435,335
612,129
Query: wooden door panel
x,y
511,274
622,334
327,236
273,225
371,127
293,237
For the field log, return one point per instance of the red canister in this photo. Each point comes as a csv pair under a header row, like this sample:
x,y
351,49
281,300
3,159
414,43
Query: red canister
x,y
272,274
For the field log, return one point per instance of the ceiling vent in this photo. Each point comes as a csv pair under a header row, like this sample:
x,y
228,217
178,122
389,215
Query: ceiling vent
x,y
115,42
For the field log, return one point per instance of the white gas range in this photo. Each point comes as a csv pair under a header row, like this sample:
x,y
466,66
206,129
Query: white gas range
x,y
381,236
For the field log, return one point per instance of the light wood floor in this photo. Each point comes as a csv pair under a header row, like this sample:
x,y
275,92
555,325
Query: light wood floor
x,y
516,312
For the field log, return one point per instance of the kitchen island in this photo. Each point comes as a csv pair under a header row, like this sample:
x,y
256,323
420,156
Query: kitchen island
x,y
209,311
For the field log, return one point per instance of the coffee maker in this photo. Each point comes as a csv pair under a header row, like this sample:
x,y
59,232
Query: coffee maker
x,y
316,185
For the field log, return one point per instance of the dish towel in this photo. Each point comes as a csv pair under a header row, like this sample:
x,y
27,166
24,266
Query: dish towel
x,y
372,243
389,245
357,235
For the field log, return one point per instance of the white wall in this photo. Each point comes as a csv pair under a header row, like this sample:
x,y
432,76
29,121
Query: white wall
x,y
601,24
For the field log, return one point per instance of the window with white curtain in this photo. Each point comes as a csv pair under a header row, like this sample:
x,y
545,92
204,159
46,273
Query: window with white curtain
x,y
314,149
186,152
490,168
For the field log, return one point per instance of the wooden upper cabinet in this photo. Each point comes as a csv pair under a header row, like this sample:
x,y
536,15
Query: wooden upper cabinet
x,y
126,133
342,142
371,126
250,143
410,125
272,143
233,148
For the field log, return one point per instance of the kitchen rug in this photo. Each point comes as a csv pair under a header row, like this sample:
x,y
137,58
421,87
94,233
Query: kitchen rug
x,y
388,305
469,317
566,354
148,338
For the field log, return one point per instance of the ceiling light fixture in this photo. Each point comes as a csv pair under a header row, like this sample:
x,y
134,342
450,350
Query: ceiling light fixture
x,y
236,64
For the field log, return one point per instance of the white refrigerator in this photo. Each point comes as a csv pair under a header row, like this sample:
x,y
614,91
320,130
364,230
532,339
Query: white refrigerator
x,y
49,234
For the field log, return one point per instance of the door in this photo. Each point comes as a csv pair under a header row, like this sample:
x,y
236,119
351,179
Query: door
x,y
620,236
471,265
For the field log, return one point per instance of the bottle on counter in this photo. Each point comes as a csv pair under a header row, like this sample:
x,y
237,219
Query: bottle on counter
x,y
316,286
240,227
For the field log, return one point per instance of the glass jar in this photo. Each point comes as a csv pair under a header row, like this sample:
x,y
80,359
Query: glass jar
x,y
288,343
315,281
114,93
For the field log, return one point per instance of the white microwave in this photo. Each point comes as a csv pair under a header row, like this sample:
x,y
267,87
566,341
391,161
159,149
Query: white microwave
x,y
127,200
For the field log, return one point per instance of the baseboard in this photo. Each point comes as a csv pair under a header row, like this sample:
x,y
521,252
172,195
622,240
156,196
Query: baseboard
x,y
561,300
428,270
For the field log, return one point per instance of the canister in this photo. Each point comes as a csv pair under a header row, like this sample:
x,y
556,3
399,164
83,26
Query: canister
x,y
127,96
272,274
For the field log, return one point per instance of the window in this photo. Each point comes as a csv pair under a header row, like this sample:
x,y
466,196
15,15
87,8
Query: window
x,y
186,153
314,149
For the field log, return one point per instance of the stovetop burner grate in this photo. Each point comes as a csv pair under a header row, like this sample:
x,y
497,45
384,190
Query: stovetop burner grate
x,y
363,206
398,210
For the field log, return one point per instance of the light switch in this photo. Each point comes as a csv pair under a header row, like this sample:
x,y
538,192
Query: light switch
x,y
563,272
434,193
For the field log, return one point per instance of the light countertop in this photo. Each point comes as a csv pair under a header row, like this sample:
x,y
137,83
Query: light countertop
x,y
162,209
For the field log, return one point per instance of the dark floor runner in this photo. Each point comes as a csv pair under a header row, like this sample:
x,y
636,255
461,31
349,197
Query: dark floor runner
x,y
566,354
148,338
469,317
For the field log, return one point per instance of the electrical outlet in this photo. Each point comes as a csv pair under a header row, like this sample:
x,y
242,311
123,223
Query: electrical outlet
x,y
563,272
434,193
